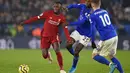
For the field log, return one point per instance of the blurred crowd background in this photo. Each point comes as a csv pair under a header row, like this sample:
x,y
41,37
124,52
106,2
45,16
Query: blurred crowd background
x,y
12,12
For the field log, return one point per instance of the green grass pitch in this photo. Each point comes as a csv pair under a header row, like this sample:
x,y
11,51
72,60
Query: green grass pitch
x,y
11,59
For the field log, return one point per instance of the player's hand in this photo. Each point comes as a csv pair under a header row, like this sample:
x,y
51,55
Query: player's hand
x,y
65,24
70,41
93,45
65,9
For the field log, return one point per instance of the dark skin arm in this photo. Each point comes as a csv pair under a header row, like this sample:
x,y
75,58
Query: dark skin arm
x,y
64,25
93,45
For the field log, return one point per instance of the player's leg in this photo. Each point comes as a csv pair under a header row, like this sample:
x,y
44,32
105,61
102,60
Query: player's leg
x,y
101,59
78,48
105,48
45,45
46,54
82,42
56,47
70,46
50,57
112,56
75,36
96,54
117,62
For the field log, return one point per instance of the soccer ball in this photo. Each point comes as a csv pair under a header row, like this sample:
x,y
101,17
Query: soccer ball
x,y
23,68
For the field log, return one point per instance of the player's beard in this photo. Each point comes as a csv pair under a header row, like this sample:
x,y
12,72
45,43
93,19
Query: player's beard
x,y
57,12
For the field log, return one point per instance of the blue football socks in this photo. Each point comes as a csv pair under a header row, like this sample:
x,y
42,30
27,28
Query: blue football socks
x,y
71,50
101,59
119,67
75,61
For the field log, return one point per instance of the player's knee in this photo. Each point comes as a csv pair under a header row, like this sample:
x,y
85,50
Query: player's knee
x,y
44,53
76,53
44,56
93,55
68,46
110,56
57,50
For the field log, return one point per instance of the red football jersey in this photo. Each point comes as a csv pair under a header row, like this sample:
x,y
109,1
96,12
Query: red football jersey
x,y
52,21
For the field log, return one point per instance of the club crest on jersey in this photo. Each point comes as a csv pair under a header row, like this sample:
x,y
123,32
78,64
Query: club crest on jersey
x,y
87,15
50,17
59,20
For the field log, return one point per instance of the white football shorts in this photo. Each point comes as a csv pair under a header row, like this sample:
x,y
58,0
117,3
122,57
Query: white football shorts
x,y
80,38
107,47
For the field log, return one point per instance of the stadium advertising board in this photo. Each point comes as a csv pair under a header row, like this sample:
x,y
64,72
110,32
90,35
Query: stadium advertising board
x,y
33,43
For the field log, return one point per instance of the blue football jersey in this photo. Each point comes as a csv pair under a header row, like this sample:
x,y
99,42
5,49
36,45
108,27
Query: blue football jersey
x,y
83,24
101,20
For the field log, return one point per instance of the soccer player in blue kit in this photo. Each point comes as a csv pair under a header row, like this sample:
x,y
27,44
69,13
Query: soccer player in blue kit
x,y
82,34
108,36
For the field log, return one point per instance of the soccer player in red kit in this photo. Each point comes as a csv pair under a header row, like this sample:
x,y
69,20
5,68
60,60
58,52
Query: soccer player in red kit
x,y
50,35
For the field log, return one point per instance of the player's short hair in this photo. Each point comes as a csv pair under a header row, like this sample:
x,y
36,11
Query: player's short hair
x,y
96,1
88,0
58,2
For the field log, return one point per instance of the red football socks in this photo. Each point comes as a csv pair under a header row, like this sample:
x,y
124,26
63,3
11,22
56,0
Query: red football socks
x,y
60,60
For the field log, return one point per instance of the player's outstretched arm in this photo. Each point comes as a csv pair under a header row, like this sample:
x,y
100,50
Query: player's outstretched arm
x,y
79,6
29,20
79,22
32,19
35,18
